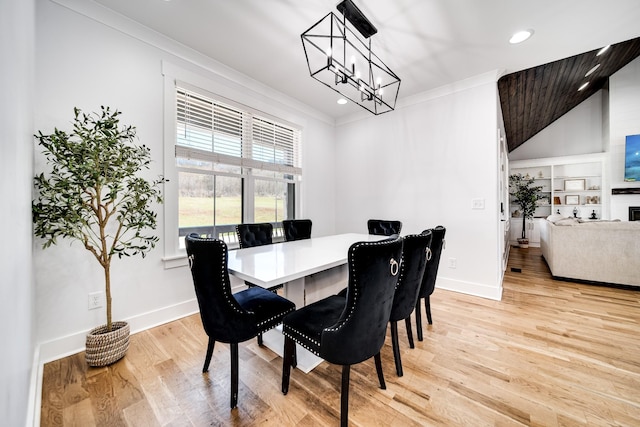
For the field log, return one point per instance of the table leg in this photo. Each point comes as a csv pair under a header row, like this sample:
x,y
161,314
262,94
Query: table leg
x,y
294,292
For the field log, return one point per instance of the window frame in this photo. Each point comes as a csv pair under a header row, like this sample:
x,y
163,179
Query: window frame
x,y
175,77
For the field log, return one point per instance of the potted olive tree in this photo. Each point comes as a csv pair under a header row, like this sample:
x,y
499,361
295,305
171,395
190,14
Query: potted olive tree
x,y
92,194
526,195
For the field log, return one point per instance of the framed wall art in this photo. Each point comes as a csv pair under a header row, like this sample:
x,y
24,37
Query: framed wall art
x,y
571,200
574,184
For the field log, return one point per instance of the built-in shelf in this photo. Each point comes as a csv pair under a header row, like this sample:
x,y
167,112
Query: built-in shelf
x,y
584,173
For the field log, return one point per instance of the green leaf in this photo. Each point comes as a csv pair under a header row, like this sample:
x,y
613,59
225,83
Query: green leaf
x,y
92,193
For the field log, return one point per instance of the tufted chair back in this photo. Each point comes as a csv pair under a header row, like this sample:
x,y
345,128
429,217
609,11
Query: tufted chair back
x,y
415,253
430,273
223,318
250,235
296,229
383,227
415,256
360,332
429,278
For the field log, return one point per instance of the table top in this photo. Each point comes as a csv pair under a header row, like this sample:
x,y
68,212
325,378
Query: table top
x,y
271,265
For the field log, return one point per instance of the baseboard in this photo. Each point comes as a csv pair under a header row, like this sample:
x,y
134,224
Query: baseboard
x,y
35,391
75,343
470,288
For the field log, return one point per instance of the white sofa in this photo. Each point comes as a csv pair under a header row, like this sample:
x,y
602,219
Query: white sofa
x,y
592,251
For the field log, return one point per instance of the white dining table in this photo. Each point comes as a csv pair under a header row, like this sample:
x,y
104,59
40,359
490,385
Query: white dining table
x,y
292,264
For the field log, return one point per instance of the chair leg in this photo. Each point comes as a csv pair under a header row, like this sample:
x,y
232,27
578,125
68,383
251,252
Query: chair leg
x,y
378,361
234,374
294,360
396,348
260,339
427,305
418,320
407,323
344,397
207,358
287,360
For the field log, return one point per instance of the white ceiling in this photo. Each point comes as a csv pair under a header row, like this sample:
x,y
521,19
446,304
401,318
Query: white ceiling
x,y
427,43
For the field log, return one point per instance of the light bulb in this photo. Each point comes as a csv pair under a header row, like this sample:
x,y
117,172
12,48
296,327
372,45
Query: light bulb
x,y
603,50
520,36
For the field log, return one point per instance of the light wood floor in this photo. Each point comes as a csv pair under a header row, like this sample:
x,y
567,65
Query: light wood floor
x,y
550,353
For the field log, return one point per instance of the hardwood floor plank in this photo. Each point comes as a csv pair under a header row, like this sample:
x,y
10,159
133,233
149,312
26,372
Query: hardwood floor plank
x,y
79,414
52,395
140,414
104,404
550,353
192,403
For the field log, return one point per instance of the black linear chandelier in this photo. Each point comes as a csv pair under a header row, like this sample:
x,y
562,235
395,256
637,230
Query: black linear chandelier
x,y
341,60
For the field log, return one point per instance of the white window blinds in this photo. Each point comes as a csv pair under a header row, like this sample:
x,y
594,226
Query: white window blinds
x,y
214,131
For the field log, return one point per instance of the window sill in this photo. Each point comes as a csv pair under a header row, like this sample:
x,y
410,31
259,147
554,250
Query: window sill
x,y
175,261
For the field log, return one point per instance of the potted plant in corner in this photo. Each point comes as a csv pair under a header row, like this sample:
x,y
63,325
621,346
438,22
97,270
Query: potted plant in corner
x,y
92,194
526,195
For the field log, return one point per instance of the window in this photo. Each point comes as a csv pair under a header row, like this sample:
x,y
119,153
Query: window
x,y
234,165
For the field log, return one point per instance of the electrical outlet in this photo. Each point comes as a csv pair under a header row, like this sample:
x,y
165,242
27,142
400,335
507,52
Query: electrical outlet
x,y
453,263
96,300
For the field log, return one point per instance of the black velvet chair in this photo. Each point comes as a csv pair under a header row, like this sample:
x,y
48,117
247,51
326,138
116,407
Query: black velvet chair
x,y
296,229
348,329
250,235
259,234
383,227
415,254
226,317
429,278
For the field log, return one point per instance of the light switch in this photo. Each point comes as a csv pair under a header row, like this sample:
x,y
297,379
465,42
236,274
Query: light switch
x,y
477,204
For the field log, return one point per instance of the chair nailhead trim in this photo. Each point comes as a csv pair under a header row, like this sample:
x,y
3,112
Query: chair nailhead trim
x,y
275,317
314,351
225,291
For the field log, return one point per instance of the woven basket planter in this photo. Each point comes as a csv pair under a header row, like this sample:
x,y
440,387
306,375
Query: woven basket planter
x,y
105,348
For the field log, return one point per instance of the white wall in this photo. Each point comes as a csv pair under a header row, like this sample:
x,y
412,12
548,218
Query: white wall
x,y
624,104
16,154
577,132
423,164
81,62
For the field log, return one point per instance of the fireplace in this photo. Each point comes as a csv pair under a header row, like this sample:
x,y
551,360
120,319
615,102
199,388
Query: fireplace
x,y
634,213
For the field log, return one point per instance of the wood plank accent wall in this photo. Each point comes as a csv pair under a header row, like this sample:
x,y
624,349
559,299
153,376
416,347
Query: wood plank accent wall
x,y
534,98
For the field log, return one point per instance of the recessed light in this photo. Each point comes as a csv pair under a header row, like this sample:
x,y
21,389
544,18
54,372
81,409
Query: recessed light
x,y
342,101
603,50
520,36
583,86
592,70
